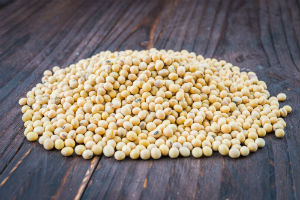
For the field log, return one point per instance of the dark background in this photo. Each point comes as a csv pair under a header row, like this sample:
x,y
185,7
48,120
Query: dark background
x,y
262,36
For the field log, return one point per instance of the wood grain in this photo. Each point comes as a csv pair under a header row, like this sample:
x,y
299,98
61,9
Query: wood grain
x,y
261,35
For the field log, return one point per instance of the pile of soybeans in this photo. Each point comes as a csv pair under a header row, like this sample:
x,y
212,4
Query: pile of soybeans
x,y
151,103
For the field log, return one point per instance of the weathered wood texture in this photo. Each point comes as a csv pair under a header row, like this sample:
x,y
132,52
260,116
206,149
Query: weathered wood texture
x,y
260,35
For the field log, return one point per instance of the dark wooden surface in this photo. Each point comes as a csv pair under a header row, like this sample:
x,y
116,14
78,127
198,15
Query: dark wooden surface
x,y
263,36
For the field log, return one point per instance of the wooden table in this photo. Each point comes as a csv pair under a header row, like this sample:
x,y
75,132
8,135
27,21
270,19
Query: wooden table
x,y
263,36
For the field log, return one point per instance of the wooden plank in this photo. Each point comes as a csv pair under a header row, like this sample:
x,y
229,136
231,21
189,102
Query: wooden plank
x,y
262,36
36,174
